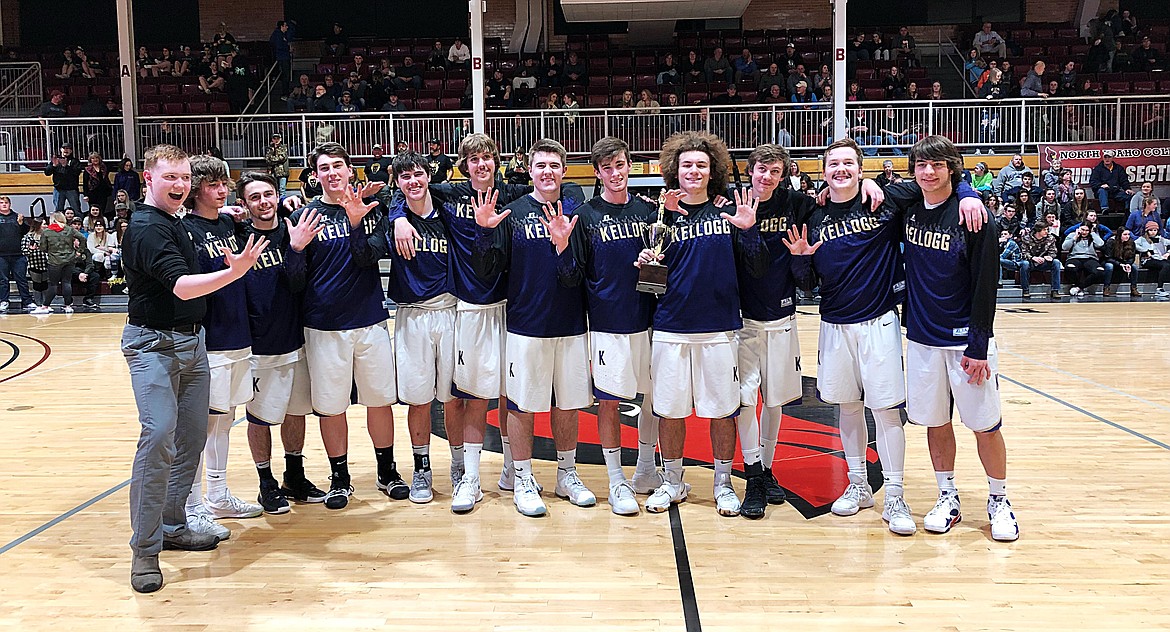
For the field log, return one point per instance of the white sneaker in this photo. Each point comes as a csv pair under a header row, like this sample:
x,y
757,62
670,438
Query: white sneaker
x,y
1075,291
1161,295
726,501
420,487
897,513
526,497
645,482
43,309
508,480
3,306
231,507
199,522
570,486
622,500
68,309
946,513
1003,520
857,496
667,494
466,494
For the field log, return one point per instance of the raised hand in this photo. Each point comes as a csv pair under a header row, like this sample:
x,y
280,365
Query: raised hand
x,y
292,203
355,207
300,234
559,227
797,242
746,203
720,201
404,236
241,263
485,209
672,198
237,213
371,187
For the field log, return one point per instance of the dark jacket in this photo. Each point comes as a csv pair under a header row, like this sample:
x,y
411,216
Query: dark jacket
x,y
11,230
65,173
1116,178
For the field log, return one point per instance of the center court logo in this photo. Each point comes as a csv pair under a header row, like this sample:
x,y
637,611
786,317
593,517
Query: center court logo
x,y
809,463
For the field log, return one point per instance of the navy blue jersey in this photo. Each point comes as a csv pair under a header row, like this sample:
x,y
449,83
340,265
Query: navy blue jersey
x,y
703,260
951,279
545,299
226,320
343,289
274,288
773,296
425,276
606,243
858,265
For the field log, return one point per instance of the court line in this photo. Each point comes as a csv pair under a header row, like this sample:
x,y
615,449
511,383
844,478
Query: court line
x,y
686,583
15,353
1086,380
76,510
1087,413
47,352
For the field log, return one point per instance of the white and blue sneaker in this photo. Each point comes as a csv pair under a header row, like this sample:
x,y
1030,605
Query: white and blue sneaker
x,y
945,514
1003,520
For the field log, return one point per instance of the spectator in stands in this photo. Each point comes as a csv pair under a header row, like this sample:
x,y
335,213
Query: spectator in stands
x,y
895,84
144,63
212,80
550,72
1038,247
1081,261
822,79
1154,124
1152,251
301,94
853,93
1033,85
801,94
974,67
798,75
989,42
322,102
692,68
527,77
912,93
1053,176
357,87
730,96
1068,79
123,205
65,170
796,180
1027,185
892,133
437,58
276,162
1010,219
126,179
775,94
440,163
789,59
1010,82
1011,257
103,247
1011,175
857,49
936,93
1078,207
647,104
994,206
13,262
668,72
517,170
1053,221
1144,57
87,276
281,42
1109,181
336,44
459,55
409,74
717,68
58,242
1025,204
1095,226
499,90
78,224
1139,198
773,77
878,49
981,178
1121,255
826,95
1100,55
746,67
90,68
1048,204
70,66
888,176
1122,61
392,103
576,71
53,108
906,48
1146,212
164,64
95,183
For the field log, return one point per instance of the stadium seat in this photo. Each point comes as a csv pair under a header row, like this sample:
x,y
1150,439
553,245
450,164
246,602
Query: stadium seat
x,y
874,94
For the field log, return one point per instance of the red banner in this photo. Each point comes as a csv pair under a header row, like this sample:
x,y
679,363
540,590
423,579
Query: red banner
x,y
1144,161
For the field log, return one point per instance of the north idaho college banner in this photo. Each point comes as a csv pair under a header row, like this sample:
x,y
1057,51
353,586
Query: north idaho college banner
x,y
1143,161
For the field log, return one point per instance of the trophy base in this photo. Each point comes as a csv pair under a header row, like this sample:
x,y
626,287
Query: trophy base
x,y
652,278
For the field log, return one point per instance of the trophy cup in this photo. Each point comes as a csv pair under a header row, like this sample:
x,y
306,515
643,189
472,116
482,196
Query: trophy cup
x,y
657,236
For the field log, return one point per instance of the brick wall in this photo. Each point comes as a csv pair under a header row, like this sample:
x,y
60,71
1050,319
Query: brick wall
x,y
499,18
10,22
762,14
248,21
1052,10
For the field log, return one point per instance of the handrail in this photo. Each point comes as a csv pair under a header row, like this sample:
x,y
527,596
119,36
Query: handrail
x,y
960,69
26,85
266,82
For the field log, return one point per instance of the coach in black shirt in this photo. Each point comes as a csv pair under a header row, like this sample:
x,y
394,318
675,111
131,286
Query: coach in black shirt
x,y
164,346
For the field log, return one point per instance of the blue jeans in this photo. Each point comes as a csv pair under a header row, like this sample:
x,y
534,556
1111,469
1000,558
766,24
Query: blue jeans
x,y
72,197
1104,194
15,267
1027,266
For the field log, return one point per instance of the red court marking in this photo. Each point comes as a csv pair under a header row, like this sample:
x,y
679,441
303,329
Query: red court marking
x,y
44,346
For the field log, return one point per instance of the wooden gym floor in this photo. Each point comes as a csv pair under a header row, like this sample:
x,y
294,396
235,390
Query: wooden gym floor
x,y
1086,408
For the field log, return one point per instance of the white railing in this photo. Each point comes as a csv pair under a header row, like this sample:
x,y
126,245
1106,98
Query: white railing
x,y
20,87
1006,125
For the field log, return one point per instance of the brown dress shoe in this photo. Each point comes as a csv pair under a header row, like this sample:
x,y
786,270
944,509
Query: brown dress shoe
x,y
1107,290
1134,292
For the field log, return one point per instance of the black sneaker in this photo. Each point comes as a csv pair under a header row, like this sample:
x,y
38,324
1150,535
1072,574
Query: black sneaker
x,y
302,490
756,498
775,493
339,493
394,486
271,498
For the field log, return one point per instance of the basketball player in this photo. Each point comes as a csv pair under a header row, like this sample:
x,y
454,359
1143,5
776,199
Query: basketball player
x,y
229,342
952,275
280,372
610,232
167,358
693,347
546,345
424,330
346,337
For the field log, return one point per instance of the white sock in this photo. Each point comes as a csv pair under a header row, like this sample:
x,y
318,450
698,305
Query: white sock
x,y
215,453
195,498
471,453
613,465
456,454
946,481
997,486
769,431
647,436
566,460
749,434
523,468
722,466
674,470
854,439
507,450
891,448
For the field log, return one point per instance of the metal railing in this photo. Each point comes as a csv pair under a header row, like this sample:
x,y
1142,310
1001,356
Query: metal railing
x,y
887,127
20,87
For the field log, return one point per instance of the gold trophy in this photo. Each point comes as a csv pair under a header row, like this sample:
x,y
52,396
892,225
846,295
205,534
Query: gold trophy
x,y
657,237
